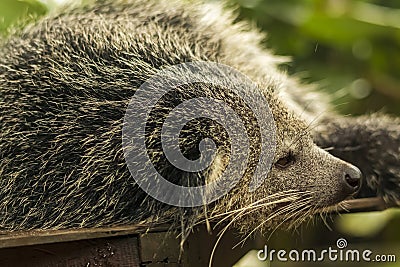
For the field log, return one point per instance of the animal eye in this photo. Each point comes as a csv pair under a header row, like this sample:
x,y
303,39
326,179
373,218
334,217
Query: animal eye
x,y
285,162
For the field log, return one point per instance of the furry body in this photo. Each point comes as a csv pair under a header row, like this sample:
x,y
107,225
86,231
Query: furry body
x,y
65,83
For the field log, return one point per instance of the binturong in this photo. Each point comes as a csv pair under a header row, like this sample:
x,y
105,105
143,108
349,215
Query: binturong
x,y
67,81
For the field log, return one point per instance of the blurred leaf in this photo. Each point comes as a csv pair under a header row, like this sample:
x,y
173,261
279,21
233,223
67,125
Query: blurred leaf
x,y
342,31
364,224
375,14
336,43
251,260
13,11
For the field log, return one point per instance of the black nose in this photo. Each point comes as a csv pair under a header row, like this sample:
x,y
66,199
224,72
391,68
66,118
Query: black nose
x,y
352,179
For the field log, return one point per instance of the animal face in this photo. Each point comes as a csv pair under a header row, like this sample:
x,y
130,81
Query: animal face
x,y
303,180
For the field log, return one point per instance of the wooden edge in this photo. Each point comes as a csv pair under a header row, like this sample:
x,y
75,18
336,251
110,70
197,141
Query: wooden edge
x,y
34,237
365,205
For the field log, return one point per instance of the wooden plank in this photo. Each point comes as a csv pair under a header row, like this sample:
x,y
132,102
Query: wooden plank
x,y
110,252
365,205
25,238
159,249
163,249
200,243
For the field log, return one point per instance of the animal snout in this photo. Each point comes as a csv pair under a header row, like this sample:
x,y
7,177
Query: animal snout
x,y
352,177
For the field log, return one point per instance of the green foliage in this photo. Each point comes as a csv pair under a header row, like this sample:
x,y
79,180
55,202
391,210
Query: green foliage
x,y
19,12
365,224
351,48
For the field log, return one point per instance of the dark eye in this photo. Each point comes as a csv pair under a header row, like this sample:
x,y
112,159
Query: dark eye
x,y
285,162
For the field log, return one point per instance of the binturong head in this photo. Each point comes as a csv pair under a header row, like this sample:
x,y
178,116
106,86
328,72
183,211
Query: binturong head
x,y
304,180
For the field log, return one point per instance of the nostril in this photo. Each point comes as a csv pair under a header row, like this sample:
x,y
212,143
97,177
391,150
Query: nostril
x,y
352,178
353,182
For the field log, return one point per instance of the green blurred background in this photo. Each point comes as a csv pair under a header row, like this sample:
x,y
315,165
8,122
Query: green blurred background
x,y
351,49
